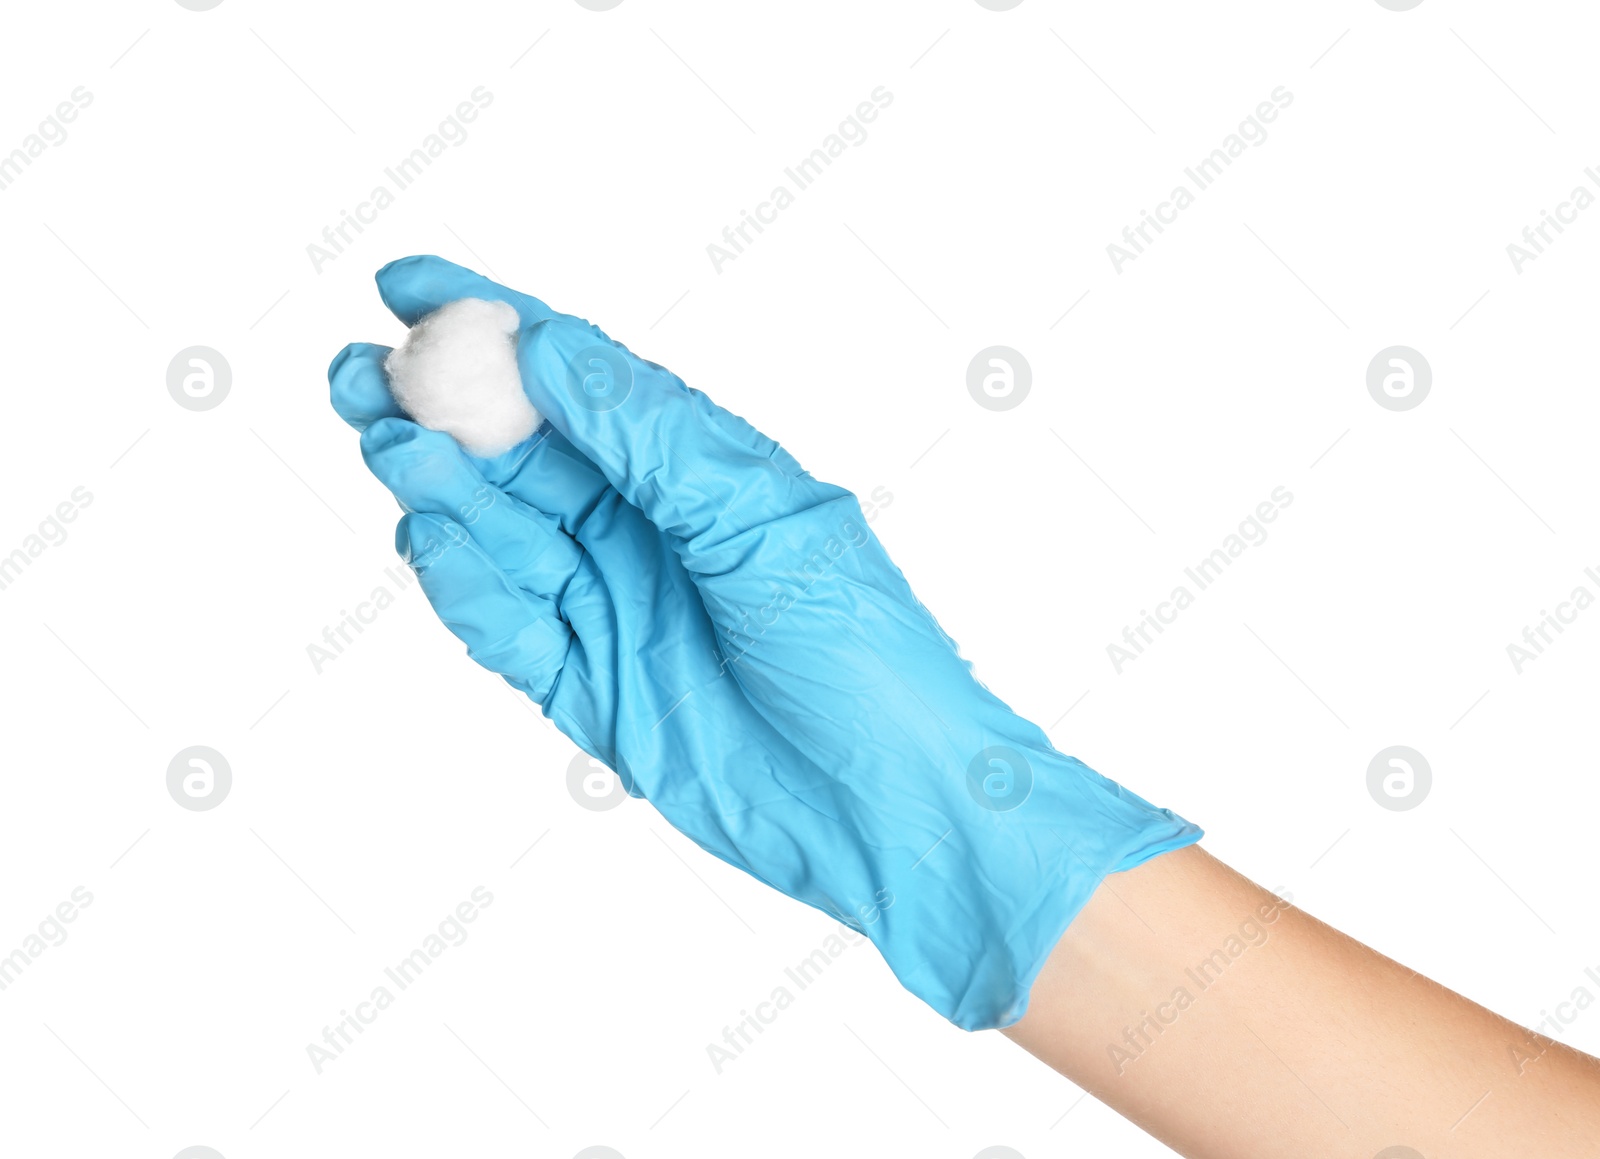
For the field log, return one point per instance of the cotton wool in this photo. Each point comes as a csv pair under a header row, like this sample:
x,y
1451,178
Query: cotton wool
x,y
457,372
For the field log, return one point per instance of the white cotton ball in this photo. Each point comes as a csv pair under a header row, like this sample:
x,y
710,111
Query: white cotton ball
x,y
457,372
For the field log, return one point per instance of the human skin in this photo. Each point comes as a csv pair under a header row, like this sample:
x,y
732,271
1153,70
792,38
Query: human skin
x,y
1302,1043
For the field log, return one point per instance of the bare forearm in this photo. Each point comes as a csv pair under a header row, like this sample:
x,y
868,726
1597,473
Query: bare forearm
x,y
1231,1025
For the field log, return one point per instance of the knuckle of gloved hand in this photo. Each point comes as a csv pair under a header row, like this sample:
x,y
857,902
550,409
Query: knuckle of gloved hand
x,y
533,648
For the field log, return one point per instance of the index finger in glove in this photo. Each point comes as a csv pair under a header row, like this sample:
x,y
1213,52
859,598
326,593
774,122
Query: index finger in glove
x,y
699,472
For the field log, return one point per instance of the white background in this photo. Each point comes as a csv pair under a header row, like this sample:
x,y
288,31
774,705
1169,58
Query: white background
x,y
368,800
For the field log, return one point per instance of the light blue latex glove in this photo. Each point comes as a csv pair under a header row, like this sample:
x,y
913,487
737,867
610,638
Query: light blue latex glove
x,y
723,630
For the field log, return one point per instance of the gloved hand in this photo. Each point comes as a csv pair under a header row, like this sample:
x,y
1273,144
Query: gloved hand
x,y
692,608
